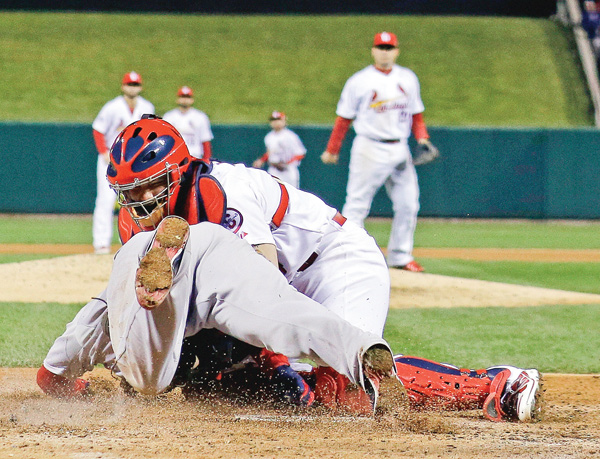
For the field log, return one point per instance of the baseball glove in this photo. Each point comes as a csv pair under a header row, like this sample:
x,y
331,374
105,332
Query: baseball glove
x,y
424,153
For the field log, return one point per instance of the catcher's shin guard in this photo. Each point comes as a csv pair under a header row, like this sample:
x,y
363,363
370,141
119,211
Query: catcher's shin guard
x,y
435,385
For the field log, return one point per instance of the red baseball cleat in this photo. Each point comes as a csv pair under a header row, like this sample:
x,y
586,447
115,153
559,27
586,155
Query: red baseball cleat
x,y
413,266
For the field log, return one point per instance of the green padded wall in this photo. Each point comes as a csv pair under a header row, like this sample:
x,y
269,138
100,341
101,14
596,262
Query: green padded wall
x,y
483,173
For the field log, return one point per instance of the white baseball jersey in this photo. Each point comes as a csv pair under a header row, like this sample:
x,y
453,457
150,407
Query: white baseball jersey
x,y
348,276
116,115
194,127
221,283
380,104
284,146
111,120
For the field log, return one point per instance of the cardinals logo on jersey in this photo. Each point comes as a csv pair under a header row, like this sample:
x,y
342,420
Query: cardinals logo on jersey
x,y
399,102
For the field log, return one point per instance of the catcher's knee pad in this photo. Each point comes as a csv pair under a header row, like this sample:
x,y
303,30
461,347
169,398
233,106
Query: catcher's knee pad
x,y
435,385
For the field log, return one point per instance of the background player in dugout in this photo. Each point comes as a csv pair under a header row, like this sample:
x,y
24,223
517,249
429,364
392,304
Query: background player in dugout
x,y
384,102
192,124
284,152
114,116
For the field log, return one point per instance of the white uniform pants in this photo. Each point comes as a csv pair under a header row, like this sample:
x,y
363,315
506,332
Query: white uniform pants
x,y
84,344
349,277
372,165
102,226
222,283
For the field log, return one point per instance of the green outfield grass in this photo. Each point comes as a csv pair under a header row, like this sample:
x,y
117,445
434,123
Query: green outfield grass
x,y
541,234
553,339
577,277
560,339
484,71
581,234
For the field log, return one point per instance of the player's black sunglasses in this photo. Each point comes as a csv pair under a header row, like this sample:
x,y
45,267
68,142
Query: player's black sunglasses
x,y
386,47
133,84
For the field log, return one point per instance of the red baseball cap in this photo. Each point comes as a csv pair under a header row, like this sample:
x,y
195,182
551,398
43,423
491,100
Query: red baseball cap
x,y
132,77
277,116
385,38
185,91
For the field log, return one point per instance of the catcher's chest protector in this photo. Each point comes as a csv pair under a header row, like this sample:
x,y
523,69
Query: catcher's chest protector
x,y
434,385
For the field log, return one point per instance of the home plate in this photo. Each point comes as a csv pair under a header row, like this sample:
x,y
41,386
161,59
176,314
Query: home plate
x,y
294,418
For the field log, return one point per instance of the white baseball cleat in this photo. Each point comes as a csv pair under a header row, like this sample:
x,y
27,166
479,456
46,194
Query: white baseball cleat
x,y
515,395
154,277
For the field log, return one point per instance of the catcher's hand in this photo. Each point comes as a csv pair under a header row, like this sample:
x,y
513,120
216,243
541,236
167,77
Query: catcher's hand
x,y
425,152
329,158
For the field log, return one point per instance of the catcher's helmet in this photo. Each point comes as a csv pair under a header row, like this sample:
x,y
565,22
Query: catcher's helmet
x,y
148,153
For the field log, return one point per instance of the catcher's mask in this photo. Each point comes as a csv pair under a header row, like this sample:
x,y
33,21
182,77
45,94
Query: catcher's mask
x,y
147,162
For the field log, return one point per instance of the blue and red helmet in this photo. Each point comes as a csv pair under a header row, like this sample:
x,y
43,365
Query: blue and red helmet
x,y
148,153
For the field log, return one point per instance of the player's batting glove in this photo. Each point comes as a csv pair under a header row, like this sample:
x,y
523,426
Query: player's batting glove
x,y
425,152
291,386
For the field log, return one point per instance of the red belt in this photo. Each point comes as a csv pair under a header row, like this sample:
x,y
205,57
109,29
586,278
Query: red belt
x,y
340,220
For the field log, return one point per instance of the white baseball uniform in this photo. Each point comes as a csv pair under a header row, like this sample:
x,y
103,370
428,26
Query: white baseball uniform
x,y
220,282
339,266
284,146
111,120
382,106
194,127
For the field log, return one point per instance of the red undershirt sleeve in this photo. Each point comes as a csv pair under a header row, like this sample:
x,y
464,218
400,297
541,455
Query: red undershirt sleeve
x,y
340,128
419,129
100,142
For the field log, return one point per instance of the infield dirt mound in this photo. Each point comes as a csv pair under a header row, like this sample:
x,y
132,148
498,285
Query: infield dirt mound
x,y
76,278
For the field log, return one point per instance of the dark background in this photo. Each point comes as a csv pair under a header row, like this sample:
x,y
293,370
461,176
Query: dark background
x,y
531,8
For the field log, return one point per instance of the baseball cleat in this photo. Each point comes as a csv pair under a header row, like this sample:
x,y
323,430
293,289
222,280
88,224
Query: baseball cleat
x,y
515,395
413,266
102,250
154,277
381,382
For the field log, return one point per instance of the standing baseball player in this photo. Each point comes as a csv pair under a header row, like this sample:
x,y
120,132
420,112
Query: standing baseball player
x,y
284,153
113,117
192,123
383,102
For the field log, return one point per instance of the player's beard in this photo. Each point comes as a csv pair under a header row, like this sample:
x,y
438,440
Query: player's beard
x,y
151,221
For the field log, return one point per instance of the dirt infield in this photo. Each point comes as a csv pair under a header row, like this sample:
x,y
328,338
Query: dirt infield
x,y
111,425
